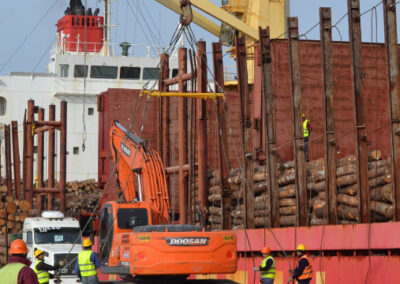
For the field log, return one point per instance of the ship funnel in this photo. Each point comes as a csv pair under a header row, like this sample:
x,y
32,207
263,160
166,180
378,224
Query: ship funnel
x,y
125,48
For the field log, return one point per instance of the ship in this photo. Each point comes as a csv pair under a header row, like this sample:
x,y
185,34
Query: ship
x,y
83,63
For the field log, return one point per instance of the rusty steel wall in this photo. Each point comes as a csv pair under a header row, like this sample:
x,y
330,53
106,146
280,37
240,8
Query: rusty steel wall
x,y
376,97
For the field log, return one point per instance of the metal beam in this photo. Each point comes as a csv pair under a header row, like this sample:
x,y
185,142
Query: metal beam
x,y
7,138
358,91
201,122
29,151
270,143
182,137
164,109
330,138
17,160
389,7
246,131
198,18
40,152
63,154
223,147
299,157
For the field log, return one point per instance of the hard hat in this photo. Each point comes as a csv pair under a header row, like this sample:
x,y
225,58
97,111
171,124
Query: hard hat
x,y
36,178
266,250
301,247
18,247
38,252
303,115
87,243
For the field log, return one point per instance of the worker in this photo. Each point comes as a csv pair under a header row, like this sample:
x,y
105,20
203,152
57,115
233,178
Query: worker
x,y
303,273
17,270
306,134
267,267
87,264
36,182
42,269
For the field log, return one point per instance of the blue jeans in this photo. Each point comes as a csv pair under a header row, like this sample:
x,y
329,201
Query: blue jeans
x,y
267,281
306,139
90,280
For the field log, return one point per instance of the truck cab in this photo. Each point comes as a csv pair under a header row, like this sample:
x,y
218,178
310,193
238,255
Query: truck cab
x,y
59,237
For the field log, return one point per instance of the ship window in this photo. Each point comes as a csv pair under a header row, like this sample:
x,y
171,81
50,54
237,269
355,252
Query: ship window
x,y
77,21
80,71
130,73
73,21
3,105
174,72
90,111
76,150
151,73
104,72
64,68
125,216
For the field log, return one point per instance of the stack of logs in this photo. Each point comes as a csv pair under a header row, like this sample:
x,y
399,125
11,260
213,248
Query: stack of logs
x,y
12,215
82,197
379,183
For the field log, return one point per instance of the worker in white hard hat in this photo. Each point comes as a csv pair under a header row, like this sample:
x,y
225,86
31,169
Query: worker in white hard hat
x,y
42,269
303,273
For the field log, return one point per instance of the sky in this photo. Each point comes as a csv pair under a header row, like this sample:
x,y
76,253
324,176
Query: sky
x,y
28,31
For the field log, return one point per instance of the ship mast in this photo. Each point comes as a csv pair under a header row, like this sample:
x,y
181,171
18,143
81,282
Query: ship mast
x,y
107,27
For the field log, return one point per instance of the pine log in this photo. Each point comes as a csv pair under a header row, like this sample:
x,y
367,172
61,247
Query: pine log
x,y
322,195
315,221
260,176
260,187
316,186
3,213
75,186
214,181
313,200
286,165
287,202
380,180
10,224
382,208
348,212
3,188
288,210
261,222
215,210
2,222
384,193
287,191
11,207
215,219
319,208
287,177
349,190
25,206
287,220
374,155
215,189
348,200
260,213
346,160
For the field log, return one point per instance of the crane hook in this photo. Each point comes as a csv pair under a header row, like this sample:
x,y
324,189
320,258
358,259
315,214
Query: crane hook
x,y
186,12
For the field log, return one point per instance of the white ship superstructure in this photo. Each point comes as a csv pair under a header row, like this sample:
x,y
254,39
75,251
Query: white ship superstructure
x,y
77,77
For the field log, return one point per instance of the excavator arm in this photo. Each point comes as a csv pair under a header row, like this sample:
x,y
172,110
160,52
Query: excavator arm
x,y
140,172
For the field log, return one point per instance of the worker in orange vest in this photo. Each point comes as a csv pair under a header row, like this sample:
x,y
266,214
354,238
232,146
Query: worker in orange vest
x,y
303,272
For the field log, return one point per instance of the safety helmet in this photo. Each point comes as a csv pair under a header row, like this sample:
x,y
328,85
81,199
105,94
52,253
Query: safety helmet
x,y
301,247
87,243
18,247
303,115
36,178
38,252
266,250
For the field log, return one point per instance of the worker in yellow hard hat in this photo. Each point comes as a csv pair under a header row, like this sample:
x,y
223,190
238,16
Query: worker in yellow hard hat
x,y
267,267
17,269
42,269
87,263
303,273
306,135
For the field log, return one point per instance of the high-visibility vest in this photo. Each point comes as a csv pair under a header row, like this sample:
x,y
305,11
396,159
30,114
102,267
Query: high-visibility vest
x,y
9,273
306,132
43,276
307,272
86,267
270,273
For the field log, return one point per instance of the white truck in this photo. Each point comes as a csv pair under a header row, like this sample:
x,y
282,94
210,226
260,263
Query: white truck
x,y
58,237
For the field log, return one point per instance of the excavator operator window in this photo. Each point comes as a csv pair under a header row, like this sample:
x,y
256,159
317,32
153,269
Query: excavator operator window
x,y
106,233
132,217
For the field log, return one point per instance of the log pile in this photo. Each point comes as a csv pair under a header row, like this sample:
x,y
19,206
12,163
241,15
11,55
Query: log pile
x,y
12,215
82,197
379,182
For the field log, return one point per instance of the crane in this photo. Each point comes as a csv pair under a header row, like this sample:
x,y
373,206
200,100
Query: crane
x,y
136,237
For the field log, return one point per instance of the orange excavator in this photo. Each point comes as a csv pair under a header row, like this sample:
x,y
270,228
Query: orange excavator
x,y
137,238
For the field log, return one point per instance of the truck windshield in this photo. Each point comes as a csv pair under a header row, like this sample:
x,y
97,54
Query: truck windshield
x,y
57,236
